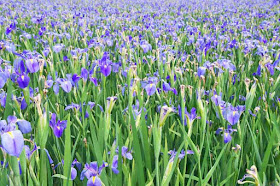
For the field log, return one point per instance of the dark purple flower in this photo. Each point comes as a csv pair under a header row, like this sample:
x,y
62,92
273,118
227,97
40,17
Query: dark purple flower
x,y
84,74
23,80
94,80
57,126
192,115
115,165
49,157
258,72
75,78
105,69
65,58
166,86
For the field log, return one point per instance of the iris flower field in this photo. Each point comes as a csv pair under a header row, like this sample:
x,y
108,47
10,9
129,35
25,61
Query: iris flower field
x,y
140,92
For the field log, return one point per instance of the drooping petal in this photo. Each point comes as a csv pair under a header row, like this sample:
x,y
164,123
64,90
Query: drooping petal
x,y
13,142
227,137
66,86
24,126
150,89
73,173
23,81
32,65
94,181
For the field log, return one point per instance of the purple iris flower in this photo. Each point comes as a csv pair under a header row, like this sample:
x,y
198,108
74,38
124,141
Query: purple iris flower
x,y
92,172
115,164
65,58
226,133
57,126
116,67
49,157
150,89
46,52
145,46
125,153
84,74
105,69
105,65
72,106
23,80
94,80
232,117
217,99
58,47
73,170
32,65
201,71
56,88
173,153
192,115
24,126
29,152
12,142
3,79
270,68
11,139
76,78
258,72
66,86
165,86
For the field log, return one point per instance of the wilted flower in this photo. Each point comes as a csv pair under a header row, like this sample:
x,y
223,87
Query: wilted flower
x,y
251,173
164,113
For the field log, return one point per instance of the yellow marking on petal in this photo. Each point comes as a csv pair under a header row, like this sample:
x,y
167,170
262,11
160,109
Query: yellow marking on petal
x,y
215,95
11,134
22,77
233,113
151,85
93,179
58,127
